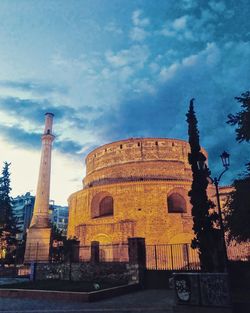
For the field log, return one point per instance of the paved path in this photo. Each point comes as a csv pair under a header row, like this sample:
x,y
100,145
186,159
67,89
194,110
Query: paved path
x,y
10,280
148,301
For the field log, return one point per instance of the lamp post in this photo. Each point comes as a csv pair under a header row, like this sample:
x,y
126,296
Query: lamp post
x,y
225,162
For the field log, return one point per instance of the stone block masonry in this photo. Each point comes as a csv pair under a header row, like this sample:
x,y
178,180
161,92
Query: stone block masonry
x,y
38,235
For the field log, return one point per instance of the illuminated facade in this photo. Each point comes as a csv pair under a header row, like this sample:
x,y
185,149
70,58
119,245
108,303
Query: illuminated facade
x,y
135,188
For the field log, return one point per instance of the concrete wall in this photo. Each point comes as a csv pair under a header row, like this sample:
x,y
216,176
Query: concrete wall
x,y
115,273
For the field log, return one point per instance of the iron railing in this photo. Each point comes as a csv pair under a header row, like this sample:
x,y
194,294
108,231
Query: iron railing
x,y
107,253
172,257
158,256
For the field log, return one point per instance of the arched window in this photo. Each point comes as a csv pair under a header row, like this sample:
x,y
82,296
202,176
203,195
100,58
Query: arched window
x,y
106,206
102,204
176,203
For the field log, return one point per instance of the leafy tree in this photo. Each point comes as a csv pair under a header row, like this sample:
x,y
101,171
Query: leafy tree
x,y
8,229
56,233
62,249
237,213
57,242
207,238
242,118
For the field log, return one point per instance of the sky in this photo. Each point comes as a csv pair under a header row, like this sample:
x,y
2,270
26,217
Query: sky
x,y
116,69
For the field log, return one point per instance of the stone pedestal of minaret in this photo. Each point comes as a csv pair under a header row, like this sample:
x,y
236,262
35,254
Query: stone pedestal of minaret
x,y
39,232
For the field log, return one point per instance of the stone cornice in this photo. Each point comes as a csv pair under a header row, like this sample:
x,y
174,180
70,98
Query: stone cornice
x,y
109,181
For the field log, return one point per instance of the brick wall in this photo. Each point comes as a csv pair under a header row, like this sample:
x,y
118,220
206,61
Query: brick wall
x,y
140,206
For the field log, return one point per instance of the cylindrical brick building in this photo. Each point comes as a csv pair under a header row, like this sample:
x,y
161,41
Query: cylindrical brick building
x,y
134,188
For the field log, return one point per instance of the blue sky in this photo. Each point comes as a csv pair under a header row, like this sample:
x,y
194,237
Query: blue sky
x,y
114,69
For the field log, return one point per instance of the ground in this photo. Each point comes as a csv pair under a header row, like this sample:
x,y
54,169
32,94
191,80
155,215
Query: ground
x,y
60,285
148,301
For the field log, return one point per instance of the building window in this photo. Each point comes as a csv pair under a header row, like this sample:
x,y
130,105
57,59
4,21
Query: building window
x,y
106,206
176,203
102,205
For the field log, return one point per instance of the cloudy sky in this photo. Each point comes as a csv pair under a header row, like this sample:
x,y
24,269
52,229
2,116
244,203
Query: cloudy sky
x,y
115,69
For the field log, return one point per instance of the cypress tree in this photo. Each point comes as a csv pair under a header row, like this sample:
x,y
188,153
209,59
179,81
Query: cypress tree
x,y
8,229
206,236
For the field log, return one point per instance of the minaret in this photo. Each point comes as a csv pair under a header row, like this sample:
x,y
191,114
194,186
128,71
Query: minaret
x,y
38,234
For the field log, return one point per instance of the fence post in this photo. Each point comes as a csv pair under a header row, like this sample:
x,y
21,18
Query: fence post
x,y
37,246
75,251
137,251
28,255
156,265
29,251
70,263
188,264
33,267
172,262
95,252
137,259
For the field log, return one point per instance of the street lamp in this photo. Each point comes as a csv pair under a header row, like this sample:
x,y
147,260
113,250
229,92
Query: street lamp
x,y
225,159
225,162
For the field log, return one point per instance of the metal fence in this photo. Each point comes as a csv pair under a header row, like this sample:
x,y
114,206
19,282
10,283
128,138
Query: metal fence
x,y
158,257
107,253
37,252
114,253
162,256
172,257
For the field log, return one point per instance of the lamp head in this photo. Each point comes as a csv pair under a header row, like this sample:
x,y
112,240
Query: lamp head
x,y
225,159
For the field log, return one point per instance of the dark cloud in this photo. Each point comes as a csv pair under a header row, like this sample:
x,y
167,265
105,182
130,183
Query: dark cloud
x,y
34,110
164,114
21,138
34,87
31,109
31,140
68,146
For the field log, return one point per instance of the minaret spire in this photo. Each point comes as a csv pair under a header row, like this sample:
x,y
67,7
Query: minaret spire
x,y
38,235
